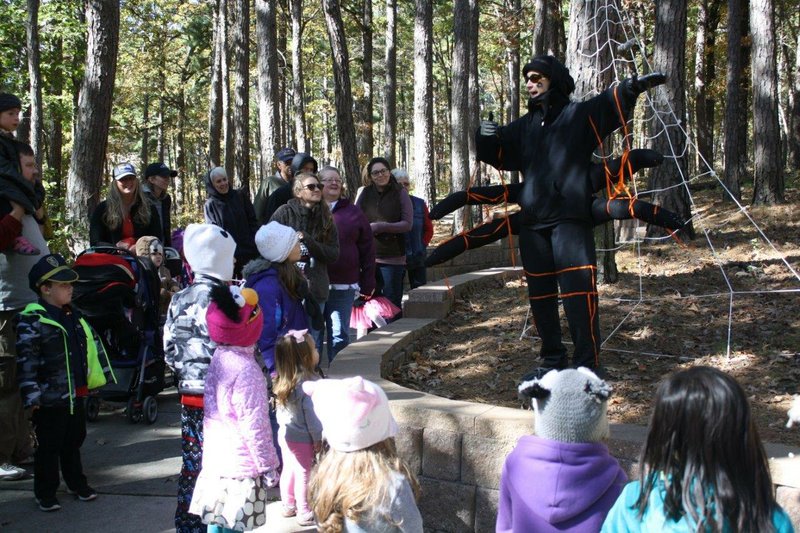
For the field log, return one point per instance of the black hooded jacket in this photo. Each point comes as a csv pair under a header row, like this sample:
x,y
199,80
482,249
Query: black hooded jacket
x,y
233,211
552,146
284,193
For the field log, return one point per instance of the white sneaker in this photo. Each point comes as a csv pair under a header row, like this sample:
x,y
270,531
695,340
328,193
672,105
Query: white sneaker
x,y
9,472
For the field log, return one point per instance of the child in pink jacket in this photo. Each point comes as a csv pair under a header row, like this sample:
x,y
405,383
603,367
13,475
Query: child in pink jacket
x,y
239,459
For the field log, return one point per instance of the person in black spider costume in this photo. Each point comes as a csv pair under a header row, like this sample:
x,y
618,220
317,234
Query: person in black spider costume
x,y
603,210
552,145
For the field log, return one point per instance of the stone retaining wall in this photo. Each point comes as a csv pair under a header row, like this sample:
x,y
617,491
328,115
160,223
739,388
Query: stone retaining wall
x,y
458,448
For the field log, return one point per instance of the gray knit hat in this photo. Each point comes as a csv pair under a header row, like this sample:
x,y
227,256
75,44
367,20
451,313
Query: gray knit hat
x,y
275,241
569,405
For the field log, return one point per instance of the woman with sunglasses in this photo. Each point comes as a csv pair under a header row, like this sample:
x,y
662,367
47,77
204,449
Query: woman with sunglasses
x,y
307,214
391,214
125,215
232,210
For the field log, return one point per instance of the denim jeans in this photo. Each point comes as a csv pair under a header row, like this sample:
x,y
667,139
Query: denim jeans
x,y
337,320
392,277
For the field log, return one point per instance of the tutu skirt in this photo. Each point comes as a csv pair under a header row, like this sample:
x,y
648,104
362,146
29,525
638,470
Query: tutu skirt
x,y
374,313
238,504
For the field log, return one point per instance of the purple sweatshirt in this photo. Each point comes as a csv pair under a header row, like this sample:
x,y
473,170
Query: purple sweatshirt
x,y
356,261
557,486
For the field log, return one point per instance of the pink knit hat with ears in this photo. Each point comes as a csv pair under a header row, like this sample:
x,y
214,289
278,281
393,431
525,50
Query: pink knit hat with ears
x,y
354,412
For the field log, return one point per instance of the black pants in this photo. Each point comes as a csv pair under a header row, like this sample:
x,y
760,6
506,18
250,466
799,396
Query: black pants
x,y
60,435
561,261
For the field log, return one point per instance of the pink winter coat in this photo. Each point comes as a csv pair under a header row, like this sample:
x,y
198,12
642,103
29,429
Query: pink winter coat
x,y
237,438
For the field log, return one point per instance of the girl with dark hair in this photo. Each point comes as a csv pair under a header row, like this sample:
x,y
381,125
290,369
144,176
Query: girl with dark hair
x,y
703,466
391,214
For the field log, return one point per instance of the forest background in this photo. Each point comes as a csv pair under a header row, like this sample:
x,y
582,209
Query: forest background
x,y
201,83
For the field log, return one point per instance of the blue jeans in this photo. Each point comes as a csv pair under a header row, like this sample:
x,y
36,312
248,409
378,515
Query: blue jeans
x,y
392,278
337,320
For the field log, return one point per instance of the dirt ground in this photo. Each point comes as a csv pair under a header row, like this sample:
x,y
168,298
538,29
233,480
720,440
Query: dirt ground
x,y
670,309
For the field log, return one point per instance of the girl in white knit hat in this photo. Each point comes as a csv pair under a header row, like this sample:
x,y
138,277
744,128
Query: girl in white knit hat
x,y
361,484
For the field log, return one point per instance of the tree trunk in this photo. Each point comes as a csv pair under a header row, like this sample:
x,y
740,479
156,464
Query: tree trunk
x,y
241,103
182,185
794,110
588,66
364,104
670,57
473,95
268,103
161,142
703,123
343,93
229,132
390,87
768,181
459,123
540,24
735,144
143,151
90,132
298,99
511,12
215,87
55,159
424,176
35,76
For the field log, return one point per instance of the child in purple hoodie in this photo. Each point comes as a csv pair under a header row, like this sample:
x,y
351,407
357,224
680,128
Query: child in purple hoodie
x,y
562,478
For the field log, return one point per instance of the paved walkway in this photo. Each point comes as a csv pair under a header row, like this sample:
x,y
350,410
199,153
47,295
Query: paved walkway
x,y
133,468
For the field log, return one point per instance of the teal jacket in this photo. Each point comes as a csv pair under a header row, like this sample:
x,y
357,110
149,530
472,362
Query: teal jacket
x,y
623,515
45,372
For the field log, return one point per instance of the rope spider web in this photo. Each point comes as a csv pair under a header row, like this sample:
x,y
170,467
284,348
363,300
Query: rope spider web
x,y
731,290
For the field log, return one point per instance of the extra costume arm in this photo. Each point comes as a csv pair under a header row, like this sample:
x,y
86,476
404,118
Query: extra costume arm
x,y
492,195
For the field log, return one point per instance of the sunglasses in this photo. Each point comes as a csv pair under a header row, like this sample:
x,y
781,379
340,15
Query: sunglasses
x,y
535,78
314,187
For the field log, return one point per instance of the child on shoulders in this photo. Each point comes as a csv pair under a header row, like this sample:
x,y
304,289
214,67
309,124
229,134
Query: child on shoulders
x,y
562,478
361,484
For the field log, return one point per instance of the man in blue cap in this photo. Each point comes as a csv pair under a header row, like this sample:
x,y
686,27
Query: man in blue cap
x,y
283,174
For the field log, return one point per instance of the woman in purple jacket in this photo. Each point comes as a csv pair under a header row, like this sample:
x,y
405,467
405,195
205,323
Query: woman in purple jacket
x,y
355,268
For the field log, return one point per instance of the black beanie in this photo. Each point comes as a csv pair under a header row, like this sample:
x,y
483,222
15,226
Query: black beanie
x,y
541,64
9,101
549,66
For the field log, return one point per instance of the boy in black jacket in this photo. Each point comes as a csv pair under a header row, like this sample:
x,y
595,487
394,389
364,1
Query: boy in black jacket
x,y
58,361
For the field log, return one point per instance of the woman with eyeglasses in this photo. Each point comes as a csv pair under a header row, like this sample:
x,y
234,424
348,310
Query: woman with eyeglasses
x,y
307,214
125,214
232,210
355,268
390,213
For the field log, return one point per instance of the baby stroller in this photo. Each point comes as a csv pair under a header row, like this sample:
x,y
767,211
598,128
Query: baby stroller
x,y
118,294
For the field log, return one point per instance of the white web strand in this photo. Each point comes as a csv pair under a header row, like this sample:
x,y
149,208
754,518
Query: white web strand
x,y
663,121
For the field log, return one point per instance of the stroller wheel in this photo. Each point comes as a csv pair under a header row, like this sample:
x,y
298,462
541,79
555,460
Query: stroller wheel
x,y
92,409
133,411
150,409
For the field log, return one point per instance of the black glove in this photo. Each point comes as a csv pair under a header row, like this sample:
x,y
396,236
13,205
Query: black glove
x,y
448,205
359,302
640,84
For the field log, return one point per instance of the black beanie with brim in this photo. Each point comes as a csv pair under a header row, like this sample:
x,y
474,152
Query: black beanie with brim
x,y
9,101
